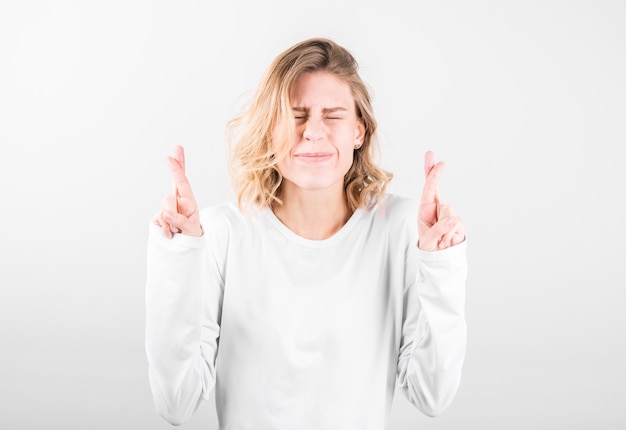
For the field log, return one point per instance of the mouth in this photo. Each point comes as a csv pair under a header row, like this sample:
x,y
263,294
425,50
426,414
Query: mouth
x,y
313,157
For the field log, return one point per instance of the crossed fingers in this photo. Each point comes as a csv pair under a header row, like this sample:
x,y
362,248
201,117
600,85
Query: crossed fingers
x,y
439,226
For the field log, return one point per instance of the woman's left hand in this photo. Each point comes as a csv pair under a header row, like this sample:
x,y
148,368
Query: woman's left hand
x,y
437,224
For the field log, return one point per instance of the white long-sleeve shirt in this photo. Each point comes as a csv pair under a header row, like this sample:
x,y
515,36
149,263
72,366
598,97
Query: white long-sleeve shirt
x,y
303,334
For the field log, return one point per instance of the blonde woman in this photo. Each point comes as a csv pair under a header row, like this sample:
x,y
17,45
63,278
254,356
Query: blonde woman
x,y
306,302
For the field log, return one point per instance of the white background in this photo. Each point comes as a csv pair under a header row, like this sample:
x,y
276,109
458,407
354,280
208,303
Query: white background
x,y
524,100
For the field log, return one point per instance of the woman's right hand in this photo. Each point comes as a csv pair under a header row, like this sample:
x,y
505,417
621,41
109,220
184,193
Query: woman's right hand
x,y
179,212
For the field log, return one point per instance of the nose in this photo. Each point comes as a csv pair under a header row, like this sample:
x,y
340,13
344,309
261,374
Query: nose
x,y
313,129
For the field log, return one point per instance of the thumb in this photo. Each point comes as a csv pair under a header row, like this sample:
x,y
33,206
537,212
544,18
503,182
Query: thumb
x,y
182,223
431,238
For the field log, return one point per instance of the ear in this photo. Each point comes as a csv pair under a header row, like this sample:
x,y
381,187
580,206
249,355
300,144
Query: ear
x,y
359,134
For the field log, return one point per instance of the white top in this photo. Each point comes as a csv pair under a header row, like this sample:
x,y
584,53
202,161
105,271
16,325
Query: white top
x,y
303,334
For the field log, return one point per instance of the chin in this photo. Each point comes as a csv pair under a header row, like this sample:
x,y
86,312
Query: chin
x,y
315,184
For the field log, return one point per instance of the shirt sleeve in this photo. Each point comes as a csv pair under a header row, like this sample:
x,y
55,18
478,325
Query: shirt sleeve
x,y
183,302
434,330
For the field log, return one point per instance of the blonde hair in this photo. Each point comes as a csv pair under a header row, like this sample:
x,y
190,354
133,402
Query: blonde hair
x,y
255,154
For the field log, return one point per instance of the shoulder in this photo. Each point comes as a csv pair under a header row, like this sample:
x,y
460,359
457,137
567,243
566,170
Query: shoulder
x,y
219,213
220,223
226,218
396,209
396,217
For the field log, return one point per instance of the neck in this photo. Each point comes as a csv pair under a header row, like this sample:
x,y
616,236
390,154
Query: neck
x,y
313,214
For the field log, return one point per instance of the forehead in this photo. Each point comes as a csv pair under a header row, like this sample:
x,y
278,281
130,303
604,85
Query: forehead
x,y
320,89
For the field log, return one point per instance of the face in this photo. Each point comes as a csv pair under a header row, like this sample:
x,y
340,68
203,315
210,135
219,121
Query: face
x,y
327,131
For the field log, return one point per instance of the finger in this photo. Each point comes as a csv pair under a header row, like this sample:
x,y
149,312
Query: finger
x,y
166,228
155,219
169,208
456,225
427,214
181,223
164,225
430,194
181,184
429,162
179,155
444,211
433,238
459,237
158,220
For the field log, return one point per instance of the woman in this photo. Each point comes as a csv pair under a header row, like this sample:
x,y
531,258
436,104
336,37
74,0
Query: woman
x,y
305,302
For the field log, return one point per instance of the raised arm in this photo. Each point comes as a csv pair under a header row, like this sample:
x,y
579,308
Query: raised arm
x,y
434,328
438,226
183,301
179,211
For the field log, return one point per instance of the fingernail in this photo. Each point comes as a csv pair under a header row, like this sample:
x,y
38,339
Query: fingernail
x,y
451,222
168,215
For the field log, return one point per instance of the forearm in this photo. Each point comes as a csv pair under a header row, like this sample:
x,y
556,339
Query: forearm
x,y
432,357
178,373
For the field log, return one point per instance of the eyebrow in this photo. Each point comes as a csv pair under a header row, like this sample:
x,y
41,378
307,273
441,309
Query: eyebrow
x,y
325,110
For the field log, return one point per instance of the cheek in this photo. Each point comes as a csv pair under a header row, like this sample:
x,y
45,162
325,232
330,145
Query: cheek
x,y
346,156
347,139
281,141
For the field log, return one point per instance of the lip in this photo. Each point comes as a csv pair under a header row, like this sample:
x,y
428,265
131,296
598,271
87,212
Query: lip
x,y
314,157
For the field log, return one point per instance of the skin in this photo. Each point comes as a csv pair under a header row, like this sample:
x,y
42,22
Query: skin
x,y
327,131
314,203
438,226
179,211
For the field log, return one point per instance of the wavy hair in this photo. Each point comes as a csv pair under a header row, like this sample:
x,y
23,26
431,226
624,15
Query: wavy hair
x,y
254,153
